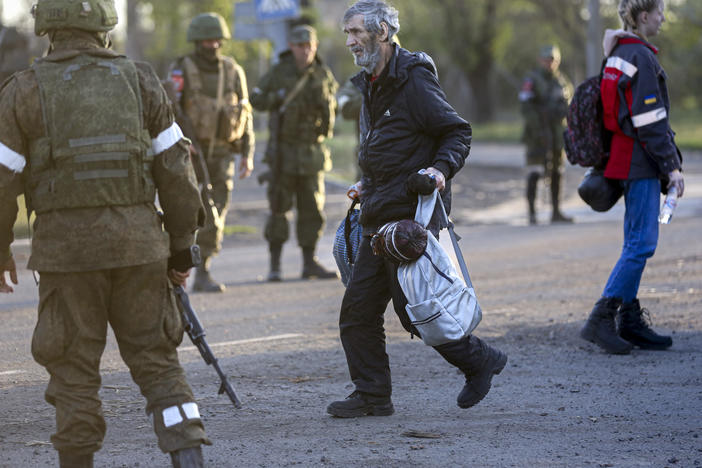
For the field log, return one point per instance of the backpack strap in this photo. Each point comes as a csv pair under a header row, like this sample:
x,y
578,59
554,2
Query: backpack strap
x,y
425,209
347,231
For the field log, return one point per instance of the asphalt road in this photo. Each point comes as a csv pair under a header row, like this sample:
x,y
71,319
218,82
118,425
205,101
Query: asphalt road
x,y
559,402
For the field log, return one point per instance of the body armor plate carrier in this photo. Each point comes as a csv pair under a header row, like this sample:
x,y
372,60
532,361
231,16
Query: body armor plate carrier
x,y
96,151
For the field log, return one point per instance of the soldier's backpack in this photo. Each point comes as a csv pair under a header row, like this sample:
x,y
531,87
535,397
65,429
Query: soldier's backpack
x,y
586,139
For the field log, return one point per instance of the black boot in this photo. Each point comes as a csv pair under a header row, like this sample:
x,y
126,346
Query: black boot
x,y
188,458
479,362
361,404
635,329
203,280
532,184
556,215
274,274
311,267
601,329
74,460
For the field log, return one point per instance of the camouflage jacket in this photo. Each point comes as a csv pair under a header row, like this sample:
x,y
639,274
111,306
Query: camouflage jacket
x,y
234,85
85,239
308,118
544,99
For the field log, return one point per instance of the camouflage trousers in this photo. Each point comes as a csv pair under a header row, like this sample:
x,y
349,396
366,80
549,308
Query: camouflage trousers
x,y
69,339
307,192
221,170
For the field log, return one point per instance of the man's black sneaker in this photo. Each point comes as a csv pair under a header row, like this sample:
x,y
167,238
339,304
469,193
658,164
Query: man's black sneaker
x,y
361,404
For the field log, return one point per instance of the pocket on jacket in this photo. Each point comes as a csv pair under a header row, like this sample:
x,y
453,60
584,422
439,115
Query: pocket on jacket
x,y
172,323
51,339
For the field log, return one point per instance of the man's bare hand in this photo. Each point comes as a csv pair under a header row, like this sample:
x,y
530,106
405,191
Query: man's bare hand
x,y
246,167
178,278
676,179
438,176
10,267
354,191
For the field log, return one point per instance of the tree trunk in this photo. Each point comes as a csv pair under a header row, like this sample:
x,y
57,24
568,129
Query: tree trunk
x,y
594,39
134,37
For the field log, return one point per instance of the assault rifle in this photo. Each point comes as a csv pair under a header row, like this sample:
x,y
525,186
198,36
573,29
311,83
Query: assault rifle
x,y
199,163
183,261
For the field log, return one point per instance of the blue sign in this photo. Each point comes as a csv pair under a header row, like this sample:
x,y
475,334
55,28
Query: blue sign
x,y
267,10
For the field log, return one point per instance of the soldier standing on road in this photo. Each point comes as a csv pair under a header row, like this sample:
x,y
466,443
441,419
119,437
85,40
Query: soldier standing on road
x,y
645,159
299,92
406,125
211,94
544,97
89,137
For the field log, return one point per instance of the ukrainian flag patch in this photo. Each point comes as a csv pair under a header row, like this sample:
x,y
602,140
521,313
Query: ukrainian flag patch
x,y
651,99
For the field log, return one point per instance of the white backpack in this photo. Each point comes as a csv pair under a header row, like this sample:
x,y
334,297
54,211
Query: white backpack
x,y
441,305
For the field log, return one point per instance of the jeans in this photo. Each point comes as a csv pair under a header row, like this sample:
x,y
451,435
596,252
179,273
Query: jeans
x,y
642,199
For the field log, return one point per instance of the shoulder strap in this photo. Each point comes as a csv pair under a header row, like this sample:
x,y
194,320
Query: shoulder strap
x,y
425,209
192,74
296,89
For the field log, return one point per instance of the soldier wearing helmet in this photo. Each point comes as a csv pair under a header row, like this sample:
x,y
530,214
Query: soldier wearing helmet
x,y
210,93
89,137
544,98
300,90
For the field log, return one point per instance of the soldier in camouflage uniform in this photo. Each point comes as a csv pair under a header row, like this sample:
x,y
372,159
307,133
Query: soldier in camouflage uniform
x,y
544,98
89,137
296,153
223,126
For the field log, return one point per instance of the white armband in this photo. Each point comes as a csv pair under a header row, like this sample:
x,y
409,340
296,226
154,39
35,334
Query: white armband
x,y
12,159
166,139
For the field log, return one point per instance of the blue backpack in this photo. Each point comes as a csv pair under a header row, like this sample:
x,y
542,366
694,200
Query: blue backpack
x,y
347,241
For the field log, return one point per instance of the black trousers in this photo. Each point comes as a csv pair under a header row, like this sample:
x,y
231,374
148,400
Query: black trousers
x,y
373,283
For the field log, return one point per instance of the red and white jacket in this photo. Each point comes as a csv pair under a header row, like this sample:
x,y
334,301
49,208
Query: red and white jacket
x,y
636,107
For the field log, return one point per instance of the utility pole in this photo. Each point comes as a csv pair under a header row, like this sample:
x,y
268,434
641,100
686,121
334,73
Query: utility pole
x,y
593,48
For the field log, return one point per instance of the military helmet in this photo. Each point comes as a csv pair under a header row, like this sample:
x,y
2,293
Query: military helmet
x,y
207,26
88,15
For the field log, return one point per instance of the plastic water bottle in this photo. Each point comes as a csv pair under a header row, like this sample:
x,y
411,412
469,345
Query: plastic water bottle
x,y
669,205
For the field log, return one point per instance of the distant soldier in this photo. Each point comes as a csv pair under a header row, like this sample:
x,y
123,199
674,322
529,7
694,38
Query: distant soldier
x,y
14,52
299,92
89,137
544,97
213,100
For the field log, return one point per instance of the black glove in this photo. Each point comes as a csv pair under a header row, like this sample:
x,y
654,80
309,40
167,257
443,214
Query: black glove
x,y
423,184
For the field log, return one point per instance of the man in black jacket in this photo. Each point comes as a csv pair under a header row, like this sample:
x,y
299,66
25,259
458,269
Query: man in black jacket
x,y
406,125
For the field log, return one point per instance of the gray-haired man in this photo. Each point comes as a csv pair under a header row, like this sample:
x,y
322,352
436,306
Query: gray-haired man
x,y
406,125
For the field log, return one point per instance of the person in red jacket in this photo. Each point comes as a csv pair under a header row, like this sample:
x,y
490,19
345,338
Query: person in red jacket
x,y
644,157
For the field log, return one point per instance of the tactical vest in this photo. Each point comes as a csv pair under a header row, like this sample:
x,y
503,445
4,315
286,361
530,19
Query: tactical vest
x,y
223,118
96,151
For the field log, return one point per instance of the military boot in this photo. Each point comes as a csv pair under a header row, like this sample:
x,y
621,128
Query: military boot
x,y
634,327
274,274
203,281
311,267
556,215
478,362
600,327
74,460
188,458
361,404
532,184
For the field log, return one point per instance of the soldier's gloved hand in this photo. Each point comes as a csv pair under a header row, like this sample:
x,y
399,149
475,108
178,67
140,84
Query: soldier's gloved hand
x,y
438,176
12,269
